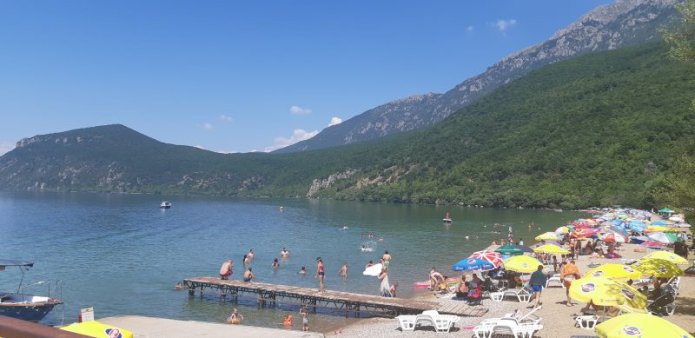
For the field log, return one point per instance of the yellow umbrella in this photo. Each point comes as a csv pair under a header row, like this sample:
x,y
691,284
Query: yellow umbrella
x,y
636,325
615,271
666,255
94,328
659,228
522,264
548,236
658,268
607,292
551,249
562,230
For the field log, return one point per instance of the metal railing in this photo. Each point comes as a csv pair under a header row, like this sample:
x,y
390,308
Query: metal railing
x,y
16,328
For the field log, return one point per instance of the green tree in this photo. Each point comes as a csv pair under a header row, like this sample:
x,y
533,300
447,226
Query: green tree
x,y
682,38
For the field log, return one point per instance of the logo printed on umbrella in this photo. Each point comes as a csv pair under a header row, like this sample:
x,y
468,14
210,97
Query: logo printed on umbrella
x,y
113,333
628,269
588,287
471,261
597,273
631,330
662,269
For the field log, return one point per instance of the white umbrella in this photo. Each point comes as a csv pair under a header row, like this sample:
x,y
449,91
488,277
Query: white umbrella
x,y
660,237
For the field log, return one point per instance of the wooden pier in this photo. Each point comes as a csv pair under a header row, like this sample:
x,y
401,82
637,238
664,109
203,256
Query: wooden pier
x,y
350,303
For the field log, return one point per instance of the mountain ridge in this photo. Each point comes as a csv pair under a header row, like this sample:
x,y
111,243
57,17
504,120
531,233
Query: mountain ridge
x,y
607,27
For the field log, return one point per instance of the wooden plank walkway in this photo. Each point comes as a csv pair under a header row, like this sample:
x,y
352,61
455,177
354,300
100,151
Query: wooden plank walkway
x,y
343,301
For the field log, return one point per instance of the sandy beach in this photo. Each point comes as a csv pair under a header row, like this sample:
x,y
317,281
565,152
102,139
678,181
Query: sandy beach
x,y
558,318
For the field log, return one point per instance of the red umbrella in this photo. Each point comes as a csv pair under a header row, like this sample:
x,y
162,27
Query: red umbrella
x,y
489,256
614,237
652,244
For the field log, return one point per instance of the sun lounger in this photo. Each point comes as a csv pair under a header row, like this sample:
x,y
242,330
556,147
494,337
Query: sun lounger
x,y
406,323
586,321
441,323
524,323
554,279
521,294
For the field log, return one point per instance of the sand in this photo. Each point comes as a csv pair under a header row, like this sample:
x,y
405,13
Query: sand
x,y
557,316
149,327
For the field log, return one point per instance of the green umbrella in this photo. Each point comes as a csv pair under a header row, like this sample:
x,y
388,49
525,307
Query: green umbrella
x,y
510,249
666,210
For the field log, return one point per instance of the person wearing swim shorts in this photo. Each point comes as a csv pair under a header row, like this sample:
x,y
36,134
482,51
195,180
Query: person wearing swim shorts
x,y
537,283
248,275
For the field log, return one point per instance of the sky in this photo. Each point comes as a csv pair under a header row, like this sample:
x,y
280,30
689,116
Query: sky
x,y
232,76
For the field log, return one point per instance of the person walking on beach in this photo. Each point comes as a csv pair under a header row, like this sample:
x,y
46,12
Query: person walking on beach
x,y
537,283
226,269
569,270
320,273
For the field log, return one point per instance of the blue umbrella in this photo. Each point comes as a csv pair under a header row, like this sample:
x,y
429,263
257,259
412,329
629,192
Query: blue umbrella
x,y
469,264
659,223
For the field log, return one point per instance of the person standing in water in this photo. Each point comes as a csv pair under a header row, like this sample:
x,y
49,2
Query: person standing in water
x,y
235,317
302,271
343,271
276,264
284,253
320,273
387,258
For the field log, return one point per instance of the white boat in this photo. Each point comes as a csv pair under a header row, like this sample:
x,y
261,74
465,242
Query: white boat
x,y
447,218
22,305
165,205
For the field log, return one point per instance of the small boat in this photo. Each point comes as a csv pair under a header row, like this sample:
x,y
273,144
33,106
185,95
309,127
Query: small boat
x,y
21,305
447,218
165,205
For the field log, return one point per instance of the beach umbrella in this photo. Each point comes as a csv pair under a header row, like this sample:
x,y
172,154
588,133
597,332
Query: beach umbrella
x,y
661,228
510,249
522,264
470,264
613,237
97,329
668,256
662,237
551,249
635,325
615,271
563,230
659,222
584,232
548,236
607,292
653,245
657,268
489,256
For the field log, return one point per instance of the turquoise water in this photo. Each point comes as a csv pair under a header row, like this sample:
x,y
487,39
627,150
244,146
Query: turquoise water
x,y
122,255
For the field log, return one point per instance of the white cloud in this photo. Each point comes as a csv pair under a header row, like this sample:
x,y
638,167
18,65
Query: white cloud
x,y
297,110
199,146
297,136
469,29
335,120
207,125
5,147
226,118
502,25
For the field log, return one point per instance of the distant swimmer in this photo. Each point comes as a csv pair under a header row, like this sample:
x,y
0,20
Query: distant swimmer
x,y
369,264
302,271
284,253
235,317
466,236
345,227
276,264
381,239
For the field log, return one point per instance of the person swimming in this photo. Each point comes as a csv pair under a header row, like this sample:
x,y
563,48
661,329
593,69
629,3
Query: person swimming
x,y
235,317
276,264
343,271
302,271
284,253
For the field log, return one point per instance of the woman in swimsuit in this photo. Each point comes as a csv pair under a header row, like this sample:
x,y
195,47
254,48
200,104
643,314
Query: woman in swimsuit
x,y
320,273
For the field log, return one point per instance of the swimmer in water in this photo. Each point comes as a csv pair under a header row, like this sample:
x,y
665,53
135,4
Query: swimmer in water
x,y
284,253
276,264
343,271
302,271
466,236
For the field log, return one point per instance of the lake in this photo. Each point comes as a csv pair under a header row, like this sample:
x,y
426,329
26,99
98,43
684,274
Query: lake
x,y
123,255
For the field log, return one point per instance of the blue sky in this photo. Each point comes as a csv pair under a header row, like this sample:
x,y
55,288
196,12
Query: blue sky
x,y
245,76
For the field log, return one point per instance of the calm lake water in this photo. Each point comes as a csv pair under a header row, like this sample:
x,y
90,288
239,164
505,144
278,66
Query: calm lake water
x,y
122,255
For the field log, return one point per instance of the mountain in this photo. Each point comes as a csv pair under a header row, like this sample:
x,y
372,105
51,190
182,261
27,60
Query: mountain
x,y
608,27
601,129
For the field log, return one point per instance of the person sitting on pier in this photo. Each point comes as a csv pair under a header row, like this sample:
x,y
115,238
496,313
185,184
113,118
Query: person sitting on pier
x,y
248,275
235,317
393,289
226,269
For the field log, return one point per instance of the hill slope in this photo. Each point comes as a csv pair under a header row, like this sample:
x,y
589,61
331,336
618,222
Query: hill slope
x,y
598,130
624,23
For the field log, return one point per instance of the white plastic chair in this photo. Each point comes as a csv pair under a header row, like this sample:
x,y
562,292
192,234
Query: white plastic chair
x,y
441,323
406,323
521,294
586,322
487,327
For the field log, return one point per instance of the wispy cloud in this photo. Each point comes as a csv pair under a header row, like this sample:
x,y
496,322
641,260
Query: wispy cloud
x,y
297,110
297,136
335,120
470,28
207,126
5,147
226,118
502,25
